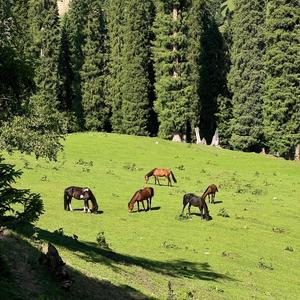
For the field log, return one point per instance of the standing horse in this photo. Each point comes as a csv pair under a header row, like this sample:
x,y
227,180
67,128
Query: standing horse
x,y
210,192
193,200
139,196
160,173
80,193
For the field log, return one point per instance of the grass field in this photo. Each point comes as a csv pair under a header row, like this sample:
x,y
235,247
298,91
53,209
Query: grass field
x,y
253,253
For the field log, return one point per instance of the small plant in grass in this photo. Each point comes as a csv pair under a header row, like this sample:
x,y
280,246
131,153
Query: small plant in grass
x,y
289,248
130,167
59,231
223,213
278,230
171,295
169,245
183,217
263,265
257,192
101,241
181,167
256,173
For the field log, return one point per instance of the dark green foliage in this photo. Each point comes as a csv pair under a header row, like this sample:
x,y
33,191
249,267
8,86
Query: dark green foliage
x,y
172,88
246,76
282,93
135,85
76,20
213,69
93,71
20,203
115,21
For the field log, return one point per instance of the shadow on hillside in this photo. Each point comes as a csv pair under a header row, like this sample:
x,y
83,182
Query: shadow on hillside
x,y
32,280
92,253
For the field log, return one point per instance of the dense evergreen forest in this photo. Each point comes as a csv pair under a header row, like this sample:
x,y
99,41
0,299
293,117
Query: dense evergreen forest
x,y
153,68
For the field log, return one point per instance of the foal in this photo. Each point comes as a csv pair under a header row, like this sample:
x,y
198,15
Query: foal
x,y
210,192
193,200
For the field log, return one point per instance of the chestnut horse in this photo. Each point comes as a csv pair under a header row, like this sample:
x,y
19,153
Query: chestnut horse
x,y
160,173
139,196
193,200
210,192
80,193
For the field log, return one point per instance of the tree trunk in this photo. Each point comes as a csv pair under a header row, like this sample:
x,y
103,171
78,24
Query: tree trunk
x,y
297,152
197,131
215,140
175,17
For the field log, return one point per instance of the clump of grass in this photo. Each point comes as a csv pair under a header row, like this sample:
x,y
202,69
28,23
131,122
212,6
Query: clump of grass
x,y
181,167
101,241
223,213
85,163
264,266
257,192
256,173
130,167
44,178
59,231
278,229
289,248
183,217
168,245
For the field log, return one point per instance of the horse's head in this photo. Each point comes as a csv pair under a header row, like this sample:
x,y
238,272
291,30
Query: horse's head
x,y
130,206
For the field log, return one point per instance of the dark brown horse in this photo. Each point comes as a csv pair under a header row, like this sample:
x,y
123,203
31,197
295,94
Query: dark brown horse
x,y
210,192
193,200
80,193
161,173
139,196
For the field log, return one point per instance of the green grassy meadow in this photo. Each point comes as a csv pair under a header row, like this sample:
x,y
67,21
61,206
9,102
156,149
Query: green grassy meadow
x,y
242,256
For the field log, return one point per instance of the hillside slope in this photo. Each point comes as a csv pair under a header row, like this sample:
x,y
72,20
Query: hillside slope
x,y
252,253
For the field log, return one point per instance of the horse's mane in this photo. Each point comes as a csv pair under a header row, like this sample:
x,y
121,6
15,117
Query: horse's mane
x,y
151,172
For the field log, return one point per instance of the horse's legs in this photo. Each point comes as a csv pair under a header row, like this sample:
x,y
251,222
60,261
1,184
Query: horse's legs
x,y
158,180
154,179
184,205
201,212
169,180
189,208
150,200
143,205
87,206
213,197
138,203
69,204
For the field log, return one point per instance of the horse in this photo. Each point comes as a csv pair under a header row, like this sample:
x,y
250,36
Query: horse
x,y
160,173
193,200
80,193
210,192
139,196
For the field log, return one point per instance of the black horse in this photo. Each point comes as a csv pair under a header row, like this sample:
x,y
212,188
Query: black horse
x,y
194,200
80,193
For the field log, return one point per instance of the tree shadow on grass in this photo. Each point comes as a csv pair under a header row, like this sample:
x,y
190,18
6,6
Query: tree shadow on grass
x,y
90,252
27,279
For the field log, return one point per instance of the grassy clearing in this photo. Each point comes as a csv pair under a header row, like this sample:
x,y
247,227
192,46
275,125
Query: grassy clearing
x,y
253,253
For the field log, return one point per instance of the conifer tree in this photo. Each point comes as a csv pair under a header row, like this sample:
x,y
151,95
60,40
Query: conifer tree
x,y
115,21
282,61
246,76
171,68
76,20
93,71
134,61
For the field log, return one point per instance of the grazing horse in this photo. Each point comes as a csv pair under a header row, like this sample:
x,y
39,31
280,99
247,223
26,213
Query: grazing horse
x,y
139,196
210,192
80,193
193,200
160,173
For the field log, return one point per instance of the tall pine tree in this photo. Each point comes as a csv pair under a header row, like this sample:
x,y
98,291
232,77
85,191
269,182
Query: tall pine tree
x,y
282,93
247,75
115,25
134,61
93,71
171,68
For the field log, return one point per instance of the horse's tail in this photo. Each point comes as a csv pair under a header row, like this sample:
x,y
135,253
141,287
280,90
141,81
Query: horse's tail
x,y
94,202
173,177
216,189
66,199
